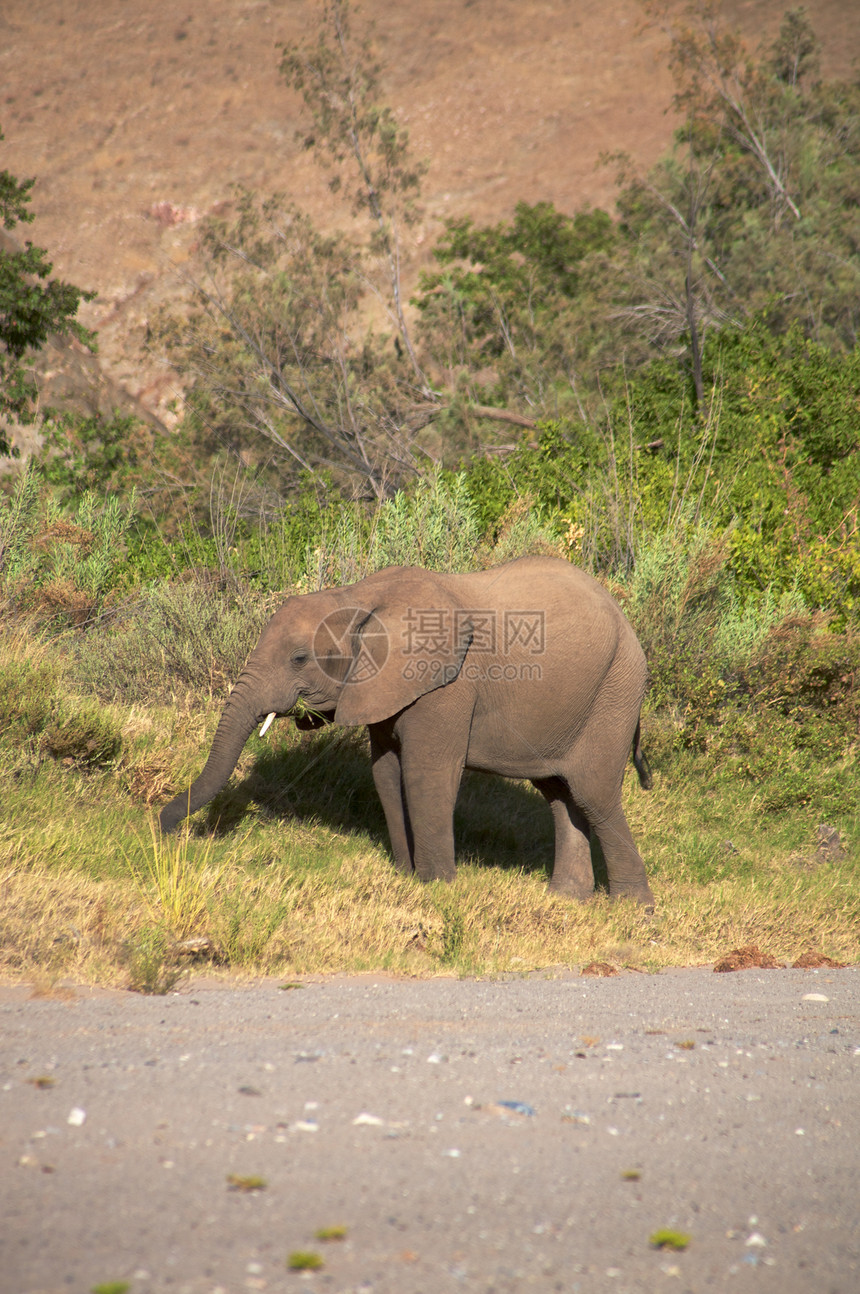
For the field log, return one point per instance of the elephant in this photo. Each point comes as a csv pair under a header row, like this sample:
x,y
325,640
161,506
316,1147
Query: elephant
x,y
529,670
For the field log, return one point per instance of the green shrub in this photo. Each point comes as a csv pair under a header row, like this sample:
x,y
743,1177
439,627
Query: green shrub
x,y
28,698
809,676
153,966
87,738
18,521
550,468
780,709
188,637
94,452
59,566
435,525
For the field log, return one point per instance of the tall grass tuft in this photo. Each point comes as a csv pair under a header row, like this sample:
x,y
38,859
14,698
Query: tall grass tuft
x,y
174,881
18,522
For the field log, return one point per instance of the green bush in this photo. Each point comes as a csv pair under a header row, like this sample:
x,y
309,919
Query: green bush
x,y
36,711
781,710
550,469
87,738
809,676
28,698
59,566
776,461
189,637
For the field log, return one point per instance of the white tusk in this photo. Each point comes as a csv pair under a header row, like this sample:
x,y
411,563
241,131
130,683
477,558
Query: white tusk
x,y
267,725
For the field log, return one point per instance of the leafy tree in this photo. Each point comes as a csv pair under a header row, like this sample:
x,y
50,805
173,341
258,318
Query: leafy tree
x,y
358,139
283,375
32,307
756,204
506,318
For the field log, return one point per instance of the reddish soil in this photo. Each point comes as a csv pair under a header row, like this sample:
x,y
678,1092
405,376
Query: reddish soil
x,y
745,958
603,969
137,119
814,960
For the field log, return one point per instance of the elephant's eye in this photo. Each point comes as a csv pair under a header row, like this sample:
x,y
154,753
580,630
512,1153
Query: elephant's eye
x,y
299,657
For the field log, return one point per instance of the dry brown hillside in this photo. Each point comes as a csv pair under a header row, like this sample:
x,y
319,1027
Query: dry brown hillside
x,y
138,117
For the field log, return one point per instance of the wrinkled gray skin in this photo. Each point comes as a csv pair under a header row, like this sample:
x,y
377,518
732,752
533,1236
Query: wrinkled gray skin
x,y
529,670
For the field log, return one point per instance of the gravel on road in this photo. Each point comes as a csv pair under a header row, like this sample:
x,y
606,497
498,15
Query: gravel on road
x,y
493,1136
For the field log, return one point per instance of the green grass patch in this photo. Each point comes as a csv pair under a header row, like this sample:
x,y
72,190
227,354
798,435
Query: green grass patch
x,y
668,1239
304,1260
336,1232
236,1182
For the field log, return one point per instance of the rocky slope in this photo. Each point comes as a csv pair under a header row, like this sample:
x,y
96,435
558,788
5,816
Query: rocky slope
x,y
137,119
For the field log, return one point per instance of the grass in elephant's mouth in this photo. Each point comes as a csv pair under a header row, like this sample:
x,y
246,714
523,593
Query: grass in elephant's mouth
x,y
297,879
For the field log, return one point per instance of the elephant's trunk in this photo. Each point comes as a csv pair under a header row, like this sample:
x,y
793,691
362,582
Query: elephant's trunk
x,y
235,727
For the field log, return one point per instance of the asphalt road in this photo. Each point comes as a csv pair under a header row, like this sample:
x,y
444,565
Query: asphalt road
x,y
721,1106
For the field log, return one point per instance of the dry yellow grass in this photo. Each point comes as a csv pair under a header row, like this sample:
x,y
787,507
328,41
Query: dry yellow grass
x,y
62,927
65,926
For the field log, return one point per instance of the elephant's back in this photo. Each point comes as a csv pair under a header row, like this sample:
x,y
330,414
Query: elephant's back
x,y
541,584
548,638
549,622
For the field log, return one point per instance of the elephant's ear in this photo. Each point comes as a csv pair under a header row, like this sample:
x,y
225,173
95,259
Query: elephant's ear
x,y
407,645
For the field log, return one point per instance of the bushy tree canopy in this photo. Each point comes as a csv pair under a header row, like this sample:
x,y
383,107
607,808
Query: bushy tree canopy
x,y
756,204
753,208
32,306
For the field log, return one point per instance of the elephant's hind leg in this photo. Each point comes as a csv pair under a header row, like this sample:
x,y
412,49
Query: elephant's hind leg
x,y
572,872
624,866
624,863
595,774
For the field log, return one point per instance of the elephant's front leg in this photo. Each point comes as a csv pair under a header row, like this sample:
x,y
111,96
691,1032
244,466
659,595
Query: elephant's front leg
x,y
434,738
387,778
431,794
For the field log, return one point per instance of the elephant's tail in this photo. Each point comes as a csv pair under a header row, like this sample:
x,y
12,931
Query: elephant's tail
x,y
640,759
